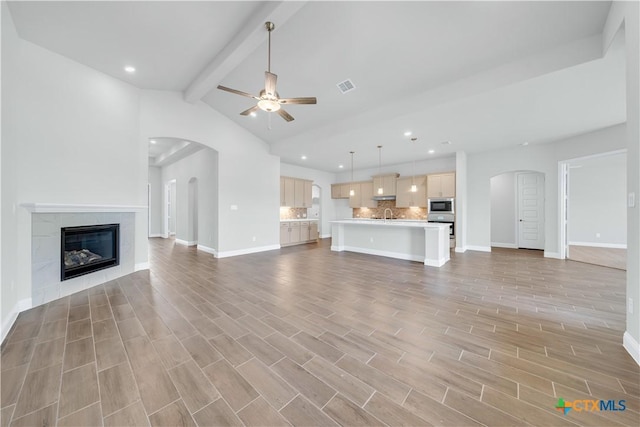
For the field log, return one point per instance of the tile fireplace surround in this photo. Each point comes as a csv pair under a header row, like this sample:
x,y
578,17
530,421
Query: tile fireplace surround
x,y
46,227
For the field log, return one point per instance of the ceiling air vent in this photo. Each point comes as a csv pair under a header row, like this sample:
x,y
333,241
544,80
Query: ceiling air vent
x,y
346,86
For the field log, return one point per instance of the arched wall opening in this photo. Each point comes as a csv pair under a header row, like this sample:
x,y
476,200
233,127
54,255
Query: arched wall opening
x,y
187,173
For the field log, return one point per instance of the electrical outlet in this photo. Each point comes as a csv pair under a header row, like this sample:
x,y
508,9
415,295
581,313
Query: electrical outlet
x,y
597,235
630,307
254,238
631,200
371,239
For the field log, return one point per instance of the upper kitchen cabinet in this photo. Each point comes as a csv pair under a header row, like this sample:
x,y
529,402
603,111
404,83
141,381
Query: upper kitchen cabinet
x,y
441,185
363,195
341,191
302,193
287,191
295,193
406,198
387,182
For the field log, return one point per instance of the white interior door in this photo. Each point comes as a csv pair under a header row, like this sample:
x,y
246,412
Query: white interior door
x,y
531,210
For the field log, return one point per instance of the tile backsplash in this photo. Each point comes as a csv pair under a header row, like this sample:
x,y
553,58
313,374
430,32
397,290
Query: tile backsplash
x,y
293,213
401,213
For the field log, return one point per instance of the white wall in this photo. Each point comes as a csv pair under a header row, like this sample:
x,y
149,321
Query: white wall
x,y
324,180
625,17
503,210
597,200
69,135
202,165
156,190
248,176
544,158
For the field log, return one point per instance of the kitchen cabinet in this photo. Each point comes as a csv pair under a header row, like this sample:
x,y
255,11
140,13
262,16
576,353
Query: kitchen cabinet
x,y
340,191
441,185
336,191
304,231
405,198
366,191
285,233
287,192
295,232
387,182
363,195
295,193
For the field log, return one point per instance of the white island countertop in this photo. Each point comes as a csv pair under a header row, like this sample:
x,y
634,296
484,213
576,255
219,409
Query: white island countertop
x,y
298,219
391,222
415,240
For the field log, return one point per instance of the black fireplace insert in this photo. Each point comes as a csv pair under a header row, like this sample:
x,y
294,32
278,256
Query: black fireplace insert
x,y
88,248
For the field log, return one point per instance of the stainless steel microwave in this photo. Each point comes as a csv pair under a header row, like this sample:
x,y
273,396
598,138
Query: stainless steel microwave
x,y
441,205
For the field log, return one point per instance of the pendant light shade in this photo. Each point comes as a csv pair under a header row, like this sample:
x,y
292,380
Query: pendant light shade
x,y
352,192
380,189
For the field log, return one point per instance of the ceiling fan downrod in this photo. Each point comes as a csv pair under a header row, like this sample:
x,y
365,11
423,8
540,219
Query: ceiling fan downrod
x,y
270,26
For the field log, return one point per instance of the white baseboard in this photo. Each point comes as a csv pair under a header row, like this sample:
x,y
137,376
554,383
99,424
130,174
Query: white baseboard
x,y
599,245
7,323
156,235
460,249
478,248
246,251
504,245
206,249
632,346
141,266
325,236
186,242
555,255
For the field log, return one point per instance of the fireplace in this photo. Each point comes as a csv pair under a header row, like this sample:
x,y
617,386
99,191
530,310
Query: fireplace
x,y
88,248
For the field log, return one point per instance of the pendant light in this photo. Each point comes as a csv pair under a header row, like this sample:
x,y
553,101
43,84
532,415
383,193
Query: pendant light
x,y
380,189
352,192
414,187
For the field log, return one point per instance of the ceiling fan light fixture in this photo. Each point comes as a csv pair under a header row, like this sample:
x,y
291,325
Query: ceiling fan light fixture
x,y
414,188
268,105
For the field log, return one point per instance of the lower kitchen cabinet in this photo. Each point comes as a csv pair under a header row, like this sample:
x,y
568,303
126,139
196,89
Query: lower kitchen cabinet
x,y
295,232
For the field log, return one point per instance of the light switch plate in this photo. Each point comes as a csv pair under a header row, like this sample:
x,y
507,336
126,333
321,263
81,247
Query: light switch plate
x,y
631,200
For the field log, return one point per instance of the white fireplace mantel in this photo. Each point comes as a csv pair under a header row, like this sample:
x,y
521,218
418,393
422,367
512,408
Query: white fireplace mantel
x,y
73,208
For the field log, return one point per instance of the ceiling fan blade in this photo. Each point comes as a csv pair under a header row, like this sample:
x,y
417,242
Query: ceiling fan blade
x,y
237,92
250,110
270,80
288,117
308,100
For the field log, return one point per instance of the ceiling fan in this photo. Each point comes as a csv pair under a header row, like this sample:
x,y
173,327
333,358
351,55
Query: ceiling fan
x,y
269,100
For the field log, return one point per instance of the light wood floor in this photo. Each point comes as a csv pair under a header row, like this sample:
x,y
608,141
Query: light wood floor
x,y
306,336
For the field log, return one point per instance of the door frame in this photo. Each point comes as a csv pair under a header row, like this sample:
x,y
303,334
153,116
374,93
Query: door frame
x,y
167,206
517,207
564,178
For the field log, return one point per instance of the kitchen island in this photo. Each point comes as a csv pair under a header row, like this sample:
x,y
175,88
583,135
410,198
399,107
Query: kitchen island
x,y
403,239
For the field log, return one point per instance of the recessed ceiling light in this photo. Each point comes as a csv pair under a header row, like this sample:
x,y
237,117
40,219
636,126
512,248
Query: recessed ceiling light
x,y
340,166
303,157
431,151
130,69
524,144
153,141
446,143
253,114
407,133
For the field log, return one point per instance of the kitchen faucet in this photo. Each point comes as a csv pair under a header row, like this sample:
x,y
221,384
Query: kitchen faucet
x,y
390,214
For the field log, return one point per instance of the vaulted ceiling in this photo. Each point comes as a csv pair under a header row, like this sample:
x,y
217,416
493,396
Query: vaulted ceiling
x,y
482,75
